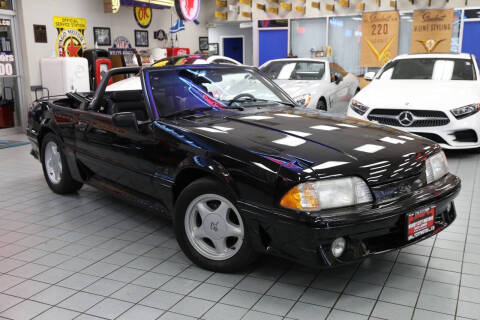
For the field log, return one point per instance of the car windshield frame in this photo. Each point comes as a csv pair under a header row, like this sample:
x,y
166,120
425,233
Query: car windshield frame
x,y
393,64
296,62
284,98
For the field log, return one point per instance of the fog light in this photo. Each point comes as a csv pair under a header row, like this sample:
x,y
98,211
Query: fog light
x,y
338,246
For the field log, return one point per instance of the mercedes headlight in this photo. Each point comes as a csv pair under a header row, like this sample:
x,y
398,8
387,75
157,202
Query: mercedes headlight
x,y
303,100
327,194
465,111
436,167
358,107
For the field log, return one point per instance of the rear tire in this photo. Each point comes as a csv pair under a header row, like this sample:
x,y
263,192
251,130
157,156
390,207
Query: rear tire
x,y
210,229
55,167
321,105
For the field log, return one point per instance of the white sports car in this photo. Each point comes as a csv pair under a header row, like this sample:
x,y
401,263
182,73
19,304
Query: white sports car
x,y
436,96
314,83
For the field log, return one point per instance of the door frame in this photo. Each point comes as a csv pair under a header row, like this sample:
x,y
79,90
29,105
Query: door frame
x,y
229,37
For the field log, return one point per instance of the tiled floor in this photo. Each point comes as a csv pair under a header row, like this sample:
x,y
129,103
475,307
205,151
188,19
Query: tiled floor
x,y
89,256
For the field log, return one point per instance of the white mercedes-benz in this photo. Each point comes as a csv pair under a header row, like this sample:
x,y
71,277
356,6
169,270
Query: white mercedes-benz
x,y
436,96
314,83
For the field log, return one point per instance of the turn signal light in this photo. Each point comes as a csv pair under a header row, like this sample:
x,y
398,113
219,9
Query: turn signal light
x,y
301,197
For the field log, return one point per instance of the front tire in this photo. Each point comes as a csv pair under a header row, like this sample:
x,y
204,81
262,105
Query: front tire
x,y
55,167
210,229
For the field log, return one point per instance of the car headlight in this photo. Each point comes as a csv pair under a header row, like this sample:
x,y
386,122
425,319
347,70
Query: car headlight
x,y
327,194
303,100
465,111
436,167
358,107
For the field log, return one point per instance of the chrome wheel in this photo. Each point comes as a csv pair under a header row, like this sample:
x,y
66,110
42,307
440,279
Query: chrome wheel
x,y
53,162
214,227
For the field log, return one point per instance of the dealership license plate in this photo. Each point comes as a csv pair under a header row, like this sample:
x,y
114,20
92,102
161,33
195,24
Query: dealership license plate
x,y
420,222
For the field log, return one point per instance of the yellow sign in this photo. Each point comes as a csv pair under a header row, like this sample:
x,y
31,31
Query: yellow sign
x,y
221,15
71,40
261,7
330,7
286,6
361,5
345,3
246,2
315,5
143,16
273,10
431,31
221,3
273,1
379,38
69,23
300,9
246,14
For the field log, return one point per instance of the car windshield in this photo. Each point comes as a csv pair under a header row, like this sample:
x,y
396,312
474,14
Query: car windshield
x,y
295,70
429,69
198,87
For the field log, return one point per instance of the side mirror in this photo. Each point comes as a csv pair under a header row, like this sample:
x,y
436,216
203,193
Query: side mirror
x,y
338,77
126,120
369,76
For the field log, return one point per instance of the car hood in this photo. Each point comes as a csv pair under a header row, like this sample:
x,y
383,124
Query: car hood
x,y
296,88
307,142
412,94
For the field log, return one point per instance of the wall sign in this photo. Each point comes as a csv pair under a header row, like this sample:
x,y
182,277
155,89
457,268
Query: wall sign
x,y
121,45
71,41
379,38
431,31
143,16
6,64
187,9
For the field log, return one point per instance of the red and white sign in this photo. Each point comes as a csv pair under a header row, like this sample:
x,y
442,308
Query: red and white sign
x,y
187,9
420,222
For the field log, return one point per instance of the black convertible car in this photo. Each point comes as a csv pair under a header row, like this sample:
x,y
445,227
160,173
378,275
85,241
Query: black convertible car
x,y
242,170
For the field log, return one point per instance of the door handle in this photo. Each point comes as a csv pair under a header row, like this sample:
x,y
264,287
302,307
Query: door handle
x,y
82,125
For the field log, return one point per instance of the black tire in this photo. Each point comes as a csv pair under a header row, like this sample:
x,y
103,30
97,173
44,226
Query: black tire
x,y
242,258
66,184
321,105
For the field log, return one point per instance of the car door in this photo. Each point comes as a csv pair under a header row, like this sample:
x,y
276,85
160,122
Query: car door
x,y
340,92
114,153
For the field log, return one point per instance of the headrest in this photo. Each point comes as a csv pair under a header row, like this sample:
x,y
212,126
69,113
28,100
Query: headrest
x,y
123,96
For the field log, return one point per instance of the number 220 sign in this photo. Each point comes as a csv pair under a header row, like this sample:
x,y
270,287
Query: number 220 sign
x,y
379,38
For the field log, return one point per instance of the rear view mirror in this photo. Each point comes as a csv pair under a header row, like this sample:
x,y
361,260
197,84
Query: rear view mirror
x,y
338,77
369,76
126,120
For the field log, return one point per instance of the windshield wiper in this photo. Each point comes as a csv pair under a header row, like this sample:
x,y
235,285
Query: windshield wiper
x,y
187,112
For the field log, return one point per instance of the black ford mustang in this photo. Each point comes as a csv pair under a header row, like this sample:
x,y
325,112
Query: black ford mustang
x,y
241,170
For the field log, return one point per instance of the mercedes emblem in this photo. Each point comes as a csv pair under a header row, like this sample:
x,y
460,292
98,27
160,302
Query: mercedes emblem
x,y
406,118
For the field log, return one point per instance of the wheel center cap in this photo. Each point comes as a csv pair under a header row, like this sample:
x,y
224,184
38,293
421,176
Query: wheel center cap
x,y
214,226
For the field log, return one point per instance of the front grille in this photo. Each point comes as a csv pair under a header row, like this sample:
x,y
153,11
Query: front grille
x,y
432,136
421,118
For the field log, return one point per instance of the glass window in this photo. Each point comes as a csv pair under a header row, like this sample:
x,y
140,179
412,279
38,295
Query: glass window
x,y
295,70
345,37
307,36
429,69
6,5
172,91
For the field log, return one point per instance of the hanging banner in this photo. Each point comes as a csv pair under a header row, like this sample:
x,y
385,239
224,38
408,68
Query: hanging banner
x,y
71,41
379,38
431,31
112,6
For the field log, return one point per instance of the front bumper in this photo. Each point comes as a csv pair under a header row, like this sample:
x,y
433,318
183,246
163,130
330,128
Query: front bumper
x,y
306,238
457,134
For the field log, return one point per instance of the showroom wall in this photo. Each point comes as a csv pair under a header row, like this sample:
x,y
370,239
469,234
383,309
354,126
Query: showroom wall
x,y
121,24
225,30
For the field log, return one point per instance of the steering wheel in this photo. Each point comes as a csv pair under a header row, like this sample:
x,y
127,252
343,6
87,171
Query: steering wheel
x,y
238,96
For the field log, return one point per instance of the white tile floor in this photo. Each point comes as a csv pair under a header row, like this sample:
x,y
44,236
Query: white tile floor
x,y
90,256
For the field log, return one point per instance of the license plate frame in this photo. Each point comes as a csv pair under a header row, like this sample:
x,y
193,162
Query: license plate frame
x,y
420,222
